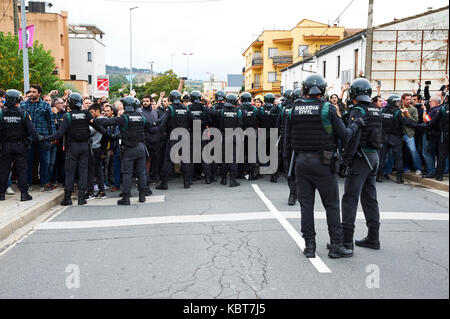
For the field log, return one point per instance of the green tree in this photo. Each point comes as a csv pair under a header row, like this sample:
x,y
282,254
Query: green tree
x,y
167,82
41,65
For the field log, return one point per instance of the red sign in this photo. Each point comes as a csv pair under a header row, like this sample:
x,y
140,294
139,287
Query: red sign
x,y
102,84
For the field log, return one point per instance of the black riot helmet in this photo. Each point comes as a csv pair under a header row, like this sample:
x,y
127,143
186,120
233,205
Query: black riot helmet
x,y
297,94
394,100
361,90
175,97
12,97
314,85
269,98
287,95
232,99
129,103
220,96
246,99
75,101
196,97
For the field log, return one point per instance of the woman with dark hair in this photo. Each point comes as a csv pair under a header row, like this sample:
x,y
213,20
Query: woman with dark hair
x,y
337,102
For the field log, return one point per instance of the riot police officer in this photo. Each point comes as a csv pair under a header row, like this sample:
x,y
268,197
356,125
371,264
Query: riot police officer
x,y
215,122
199,112
15,127
392,120
269,114
132,125
178,116
250,124
231,118
75,126
311,131
287,105
359,167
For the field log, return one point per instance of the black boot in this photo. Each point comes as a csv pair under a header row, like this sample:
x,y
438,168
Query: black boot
x,y
163,185
310,248
400,178
440,177
67,201
142,197
213,178
82,198
372,240
148,192
208,180
274,178
252,176
125,201
24,197
234,182
348,238
223,181
2,196
380,178
292,199
187,182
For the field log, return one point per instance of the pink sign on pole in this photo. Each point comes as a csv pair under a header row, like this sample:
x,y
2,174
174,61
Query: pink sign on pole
x,y
30,37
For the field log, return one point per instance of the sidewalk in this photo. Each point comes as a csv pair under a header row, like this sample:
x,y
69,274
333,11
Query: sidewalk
x,y
15,214
427,182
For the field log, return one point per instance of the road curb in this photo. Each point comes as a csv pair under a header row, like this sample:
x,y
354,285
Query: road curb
x,y
29,214
427,182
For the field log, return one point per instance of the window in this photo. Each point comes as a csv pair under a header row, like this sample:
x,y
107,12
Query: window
x,y
273,52
61,39
73,77
324,69
90,79
338,63
302,50
89,56
273,77
62,64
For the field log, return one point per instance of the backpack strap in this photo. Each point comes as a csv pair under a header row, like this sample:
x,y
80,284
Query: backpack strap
x,y
125,127
172,111
362,110
325,115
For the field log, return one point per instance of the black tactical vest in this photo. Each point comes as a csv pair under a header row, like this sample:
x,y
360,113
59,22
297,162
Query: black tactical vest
x,y
390,121
250,118
230,117
179,116
443,125
371,136
12,124
271,113
79,126
133,132
198,112
311,129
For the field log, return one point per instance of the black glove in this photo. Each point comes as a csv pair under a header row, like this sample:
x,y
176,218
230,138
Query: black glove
x,y
343,171
360,122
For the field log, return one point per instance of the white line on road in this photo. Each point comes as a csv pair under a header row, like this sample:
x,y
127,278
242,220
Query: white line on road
x,y
317,261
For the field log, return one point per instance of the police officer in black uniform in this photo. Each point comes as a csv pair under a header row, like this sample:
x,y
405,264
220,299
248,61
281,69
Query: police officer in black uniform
x,y
287,105
132,125
269,114
359,167
393,120
15,127
311,132
199,112
215,122
178,116
231,118
75,126
441,120
249,122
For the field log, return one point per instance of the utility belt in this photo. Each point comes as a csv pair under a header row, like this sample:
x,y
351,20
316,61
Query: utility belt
x,y
328,158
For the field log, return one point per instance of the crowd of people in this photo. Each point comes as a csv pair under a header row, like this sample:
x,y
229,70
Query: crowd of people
x,y
418,150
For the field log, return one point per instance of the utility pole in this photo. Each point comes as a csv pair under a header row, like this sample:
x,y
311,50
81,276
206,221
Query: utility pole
x,y
131,50
26,73
16,18
188,55
151,70
369,43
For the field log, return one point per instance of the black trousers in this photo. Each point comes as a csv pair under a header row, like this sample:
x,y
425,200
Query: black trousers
x,y
291,180
393,142
248,167
16,152
311,174
96,170
361,182
229,168
167,169
443,154
155,151
133,158
77,156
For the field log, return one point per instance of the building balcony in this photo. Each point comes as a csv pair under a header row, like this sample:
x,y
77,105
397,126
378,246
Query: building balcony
x,y
258,61
256,85
283,60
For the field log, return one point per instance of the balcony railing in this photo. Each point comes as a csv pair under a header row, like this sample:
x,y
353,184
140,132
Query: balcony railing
x,y
256,85
283,58
257,61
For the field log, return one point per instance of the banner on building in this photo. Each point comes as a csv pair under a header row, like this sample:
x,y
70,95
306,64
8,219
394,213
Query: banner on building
x,y
30,37
102,86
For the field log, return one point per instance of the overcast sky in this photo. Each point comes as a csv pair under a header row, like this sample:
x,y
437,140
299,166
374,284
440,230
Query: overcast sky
x,y
217,32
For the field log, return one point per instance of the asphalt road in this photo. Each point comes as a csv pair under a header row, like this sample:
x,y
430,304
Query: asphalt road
x,y
213,241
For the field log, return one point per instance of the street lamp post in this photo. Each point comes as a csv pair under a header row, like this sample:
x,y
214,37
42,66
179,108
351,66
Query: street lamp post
x,y
151,70
187,55
26,74
131,49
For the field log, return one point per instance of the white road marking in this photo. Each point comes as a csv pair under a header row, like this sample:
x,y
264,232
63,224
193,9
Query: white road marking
x,y
234,217
436,191
317,261
133,200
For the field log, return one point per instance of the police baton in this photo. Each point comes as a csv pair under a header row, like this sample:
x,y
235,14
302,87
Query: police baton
x,y
291,165
146,151
278,141
362,154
